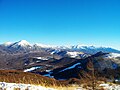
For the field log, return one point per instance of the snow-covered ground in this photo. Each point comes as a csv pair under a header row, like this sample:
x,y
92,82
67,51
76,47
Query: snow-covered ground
x,y
32,68
112,55
12,86
73,54
110,86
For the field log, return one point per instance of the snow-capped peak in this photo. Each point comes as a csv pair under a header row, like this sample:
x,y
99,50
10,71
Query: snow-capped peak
x,y
23,43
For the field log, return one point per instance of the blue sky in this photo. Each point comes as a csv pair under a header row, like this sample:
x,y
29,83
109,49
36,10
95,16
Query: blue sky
x,y
61,22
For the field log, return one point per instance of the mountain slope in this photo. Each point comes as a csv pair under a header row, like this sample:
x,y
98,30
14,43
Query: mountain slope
x,y
101,64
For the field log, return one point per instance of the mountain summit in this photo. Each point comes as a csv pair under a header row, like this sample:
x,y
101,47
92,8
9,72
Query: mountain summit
x,y
23,43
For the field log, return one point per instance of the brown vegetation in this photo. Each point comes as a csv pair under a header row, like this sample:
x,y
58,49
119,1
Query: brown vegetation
x,y
89,78
13,76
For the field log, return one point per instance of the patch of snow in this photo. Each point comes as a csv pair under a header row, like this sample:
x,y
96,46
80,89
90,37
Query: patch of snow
x,y
41,58
37,61
12,86
71,67
73,54
104,85
26,64
47,70
110,87
32,68
116,80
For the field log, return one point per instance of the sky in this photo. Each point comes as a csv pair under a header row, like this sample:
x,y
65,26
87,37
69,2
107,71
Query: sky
x,y
61,22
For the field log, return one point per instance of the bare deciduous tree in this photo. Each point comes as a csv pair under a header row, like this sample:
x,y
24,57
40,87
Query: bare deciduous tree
x,y
89,77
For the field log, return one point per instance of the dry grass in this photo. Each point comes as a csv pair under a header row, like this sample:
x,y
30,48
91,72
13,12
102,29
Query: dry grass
x,y
13,76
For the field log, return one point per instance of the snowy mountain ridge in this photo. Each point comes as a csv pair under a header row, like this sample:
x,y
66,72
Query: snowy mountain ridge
x,y
112,55
86,48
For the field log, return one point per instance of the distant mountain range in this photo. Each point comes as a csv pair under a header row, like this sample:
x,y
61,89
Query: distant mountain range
x,y
25,46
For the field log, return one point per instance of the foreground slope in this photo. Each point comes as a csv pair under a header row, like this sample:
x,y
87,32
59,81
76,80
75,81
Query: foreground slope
x,y
13,76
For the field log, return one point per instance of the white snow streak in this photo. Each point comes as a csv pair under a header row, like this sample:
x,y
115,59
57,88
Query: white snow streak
x,y
70,67
32,68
